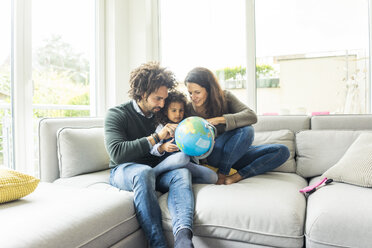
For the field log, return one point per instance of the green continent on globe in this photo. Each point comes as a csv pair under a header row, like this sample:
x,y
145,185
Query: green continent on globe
x,y
181,146
192,126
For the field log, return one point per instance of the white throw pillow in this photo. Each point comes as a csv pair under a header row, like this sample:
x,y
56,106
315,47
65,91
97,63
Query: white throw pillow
x,y
355,167
285,137
81,150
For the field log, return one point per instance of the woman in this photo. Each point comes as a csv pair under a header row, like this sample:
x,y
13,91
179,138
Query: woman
x,y
233,119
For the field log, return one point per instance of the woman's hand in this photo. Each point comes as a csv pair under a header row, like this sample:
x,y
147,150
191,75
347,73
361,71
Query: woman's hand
x,y
217,120
167,131
168,147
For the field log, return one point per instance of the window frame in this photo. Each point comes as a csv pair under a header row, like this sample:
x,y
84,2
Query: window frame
x,y
22,86
251,88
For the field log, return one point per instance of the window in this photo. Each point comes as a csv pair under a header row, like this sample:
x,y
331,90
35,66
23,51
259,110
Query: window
x,y
6,155
54,46
62,45
207,33
313,56
62,54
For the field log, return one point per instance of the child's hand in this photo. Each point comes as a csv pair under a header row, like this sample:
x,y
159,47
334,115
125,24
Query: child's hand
x,y
169,147
167,131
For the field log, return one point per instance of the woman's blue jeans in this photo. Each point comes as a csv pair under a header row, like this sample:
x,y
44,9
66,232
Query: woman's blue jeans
x,y
233,149
141,179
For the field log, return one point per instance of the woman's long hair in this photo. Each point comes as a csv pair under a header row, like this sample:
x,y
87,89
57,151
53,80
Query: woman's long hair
x,y
215,104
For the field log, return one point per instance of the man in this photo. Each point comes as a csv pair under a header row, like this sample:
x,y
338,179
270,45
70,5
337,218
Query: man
x,y
129,137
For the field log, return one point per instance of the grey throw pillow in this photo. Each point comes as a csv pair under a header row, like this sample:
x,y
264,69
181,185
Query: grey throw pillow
x,y
81,150
355,167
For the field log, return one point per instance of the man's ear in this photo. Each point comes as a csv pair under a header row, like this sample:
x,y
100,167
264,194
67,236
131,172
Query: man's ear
x,y
143,97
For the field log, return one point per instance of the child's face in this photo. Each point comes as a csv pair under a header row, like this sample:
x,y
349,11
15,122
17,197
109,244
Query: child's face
x,y
175,112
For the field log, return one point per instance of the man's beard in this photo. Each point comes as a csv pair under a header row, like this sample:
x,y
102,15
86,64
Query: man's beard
x,y
155,110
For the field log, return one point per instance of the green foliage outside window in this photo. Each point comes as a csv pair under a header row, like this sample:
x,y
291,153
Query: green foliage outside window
x,y
61,76
231,72
265,75
59,56
265,71
262,71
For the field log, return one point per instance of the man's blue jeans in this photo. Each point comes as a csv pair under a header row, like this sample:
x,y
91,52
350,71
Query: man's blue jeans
x,y
233,149
141,179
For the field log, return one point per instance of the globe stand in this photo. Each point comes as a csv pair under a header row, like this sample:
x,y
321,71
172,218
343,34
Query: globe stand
x,y
205,155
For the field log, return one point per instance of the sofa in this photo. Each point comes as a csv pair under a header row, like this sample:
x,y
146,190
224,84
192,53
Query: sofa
x,y
75,206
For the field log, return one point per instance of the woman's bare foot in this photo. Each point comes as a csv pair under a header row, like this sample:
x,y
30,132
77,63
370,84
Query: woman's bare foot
x,y
234,178
221,179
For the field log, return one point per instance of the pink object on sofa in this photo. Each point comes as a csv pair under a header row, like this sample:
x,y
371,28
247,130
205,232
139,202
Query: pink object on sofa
x,y
312,187
320,113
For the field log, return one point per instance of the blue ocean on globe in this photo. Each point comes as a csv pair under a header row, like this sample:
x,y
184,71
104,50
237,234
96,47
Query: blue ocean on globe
x,y
194,136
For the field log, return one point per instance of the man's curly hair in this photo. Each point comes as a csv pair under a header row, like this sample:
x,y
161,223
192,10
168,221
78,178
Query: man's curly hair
x,y
148,78
173,96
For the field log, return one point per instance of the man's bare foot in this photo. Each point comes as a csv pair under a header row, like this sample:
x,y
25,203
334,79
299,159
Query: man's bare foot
x,y
221,179
234,178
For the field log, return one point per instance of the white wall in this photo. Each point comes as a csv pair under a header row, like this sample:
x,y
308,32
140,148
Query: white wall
x,y
131,39
313,85
308,85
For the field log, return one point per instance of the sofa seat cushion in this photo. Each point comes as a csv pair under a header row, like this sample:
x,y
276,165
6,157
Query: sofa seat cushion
x,y
94,180
264,210
55,216
339,215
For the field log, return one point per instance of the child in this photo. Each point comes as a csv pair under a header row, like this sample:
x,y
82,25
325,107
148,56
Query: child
x,y
174,112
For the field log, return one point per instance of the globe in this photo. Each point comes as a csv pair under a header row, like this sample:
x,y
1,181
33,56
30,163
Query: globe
x,y
195,136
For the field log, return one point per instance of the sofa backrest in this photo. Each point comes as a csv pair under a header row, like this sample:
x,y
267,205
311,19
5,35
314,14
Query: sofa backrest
x,y
330,136
48,155
295,123
317,149
269,129
341,122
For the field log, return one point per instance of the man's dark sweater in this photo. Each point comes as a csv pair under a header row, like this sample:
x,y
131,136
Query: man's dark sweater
x,y
125,136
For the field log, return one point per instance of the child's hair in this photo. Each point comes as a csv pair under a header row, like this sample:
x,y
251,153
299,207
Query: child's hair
x,y
173,96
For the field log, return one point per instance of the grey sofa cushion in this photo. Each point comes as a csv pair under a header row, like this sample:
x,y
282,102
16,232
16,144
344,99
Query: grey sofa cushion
x,y
81,150
339,215
294,123
285,137
263,210
55,216
94,180
319,150
341,122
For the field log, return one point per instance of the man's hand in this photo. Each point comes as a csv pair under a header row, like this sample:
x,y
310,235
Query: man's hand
x,y
167,131
168,147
